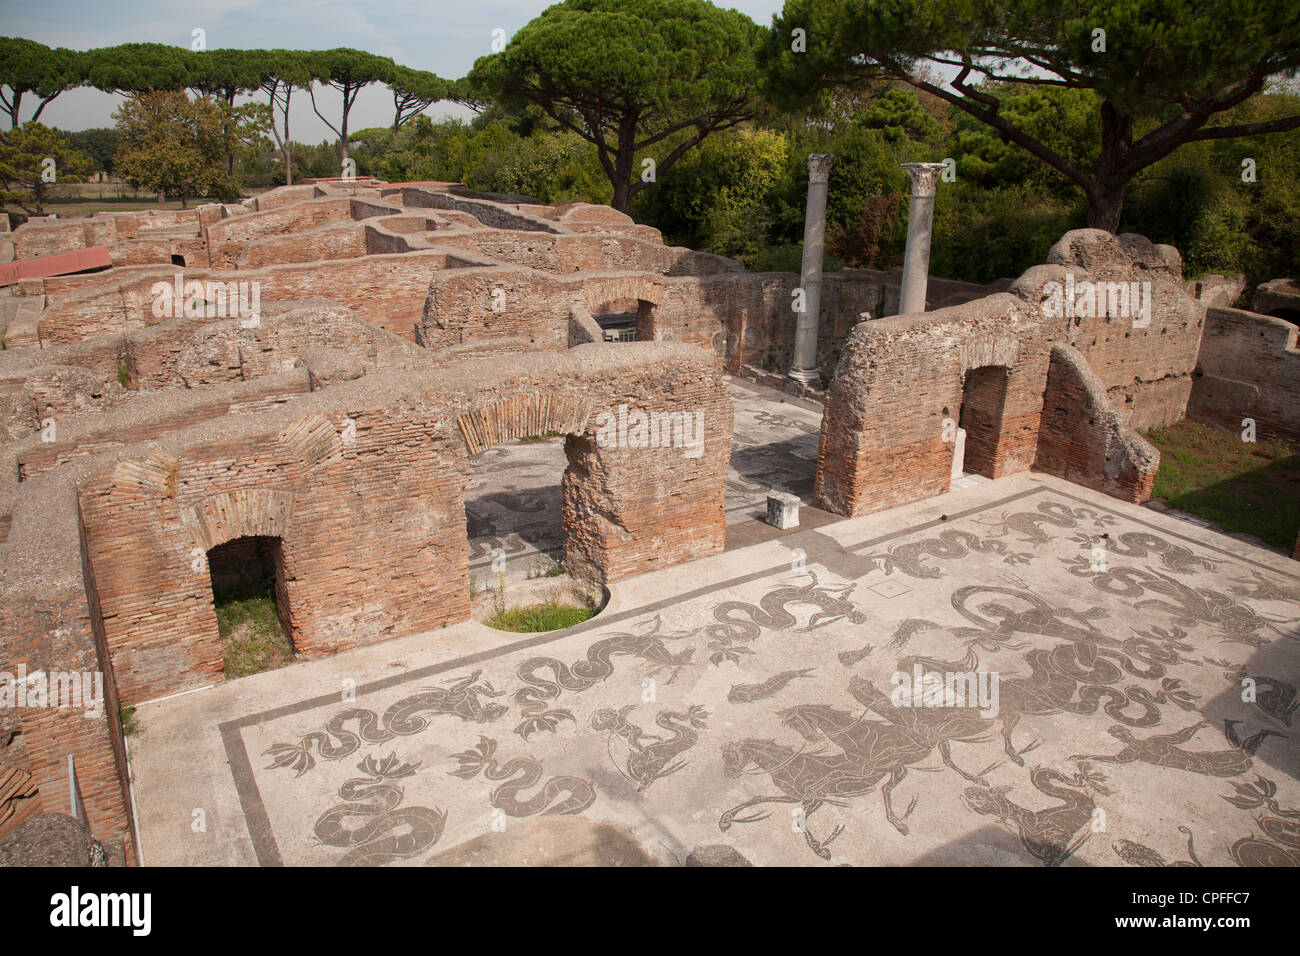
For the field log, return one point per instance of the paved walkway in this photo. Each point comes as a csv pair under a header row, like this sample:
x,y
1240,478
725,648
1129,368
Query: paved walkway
x,y
745,701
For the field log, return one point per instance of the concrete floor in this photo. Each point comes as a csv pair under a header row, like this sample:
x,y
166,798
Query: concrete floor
x,y
740,705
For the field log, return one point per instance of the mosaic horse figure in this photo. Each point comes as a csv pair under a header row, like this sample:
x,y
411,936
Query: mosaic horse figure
x,y
807,779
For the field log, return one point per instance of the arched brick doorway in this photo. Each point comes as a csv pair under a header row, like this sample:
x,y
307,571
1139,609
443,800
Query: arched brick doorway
x,y
241,540
519,450
244,573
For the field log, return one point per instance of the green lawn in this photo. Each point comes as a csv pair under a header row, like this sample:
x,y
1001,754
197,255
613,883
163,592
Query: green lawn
x,y
1240,486
539,617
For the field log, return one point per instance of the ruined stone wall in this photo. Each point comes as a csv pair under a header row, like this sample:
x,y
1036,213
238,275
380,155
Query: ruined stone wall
x,y
387,291
364,484
226,239
883,432
284,195
1082,439
340,240
152,415
491,307
488,213
1147,369
51,623
559,254
47,237
1248,367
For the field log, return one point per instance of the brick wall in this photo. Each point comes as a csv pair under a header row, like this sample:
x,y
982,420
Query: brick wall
x,y
387,291
883,431
1082,439
226,239
365,521
1147,370
51,623
1248,367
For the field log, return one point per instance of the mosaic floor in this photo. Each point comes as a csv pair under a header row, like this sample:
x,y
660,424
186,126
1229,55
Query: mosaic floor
x,y
1145,711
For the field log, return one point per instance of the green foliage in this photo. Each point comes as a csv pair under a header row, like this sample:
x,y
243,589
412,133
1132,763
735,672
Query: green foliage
x,y
628,74
1065,120
721,196
172,143
415,91
550,616
223,74
898,113
30,67
126,718
255,641
99,144
1196,200
1162,75
550,166
24,170
141,67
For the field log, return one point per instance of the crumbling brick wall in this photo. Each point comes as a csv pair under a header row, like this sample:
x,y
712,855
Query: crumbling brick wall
x,y
891,413
1146,362
52,623
1082,439
1249,367
226,239
387,291
364,484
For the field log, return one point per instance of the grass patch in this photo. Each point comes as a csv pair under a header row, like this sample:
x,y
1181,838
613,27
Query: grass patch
x,y
126,717
529,439
539,617
1242,487
255,642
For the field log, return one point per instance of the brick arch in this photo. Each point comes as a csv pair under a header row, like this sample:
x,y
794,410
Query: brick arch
x,y
643,288
532,413
244,513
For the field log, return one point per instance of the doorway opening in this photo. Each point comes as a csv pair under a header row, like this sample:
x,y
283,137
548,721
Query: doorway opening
x,y
251,604
984,397
514,516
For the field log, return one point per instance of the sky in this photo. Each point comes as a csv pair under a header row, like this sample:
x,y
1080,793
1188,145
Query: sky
x,y
441,36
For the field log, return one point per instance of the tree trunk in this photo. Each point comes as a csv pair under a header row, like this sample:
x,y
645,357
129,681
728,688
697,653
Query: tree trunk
x,y
622,200
162,197
1105,207
1106,198
288,150
344,133
623,162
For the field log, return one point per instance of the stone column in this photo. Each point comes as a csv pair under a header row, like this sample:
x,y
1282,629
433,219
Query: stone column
x,y
804,367
920,222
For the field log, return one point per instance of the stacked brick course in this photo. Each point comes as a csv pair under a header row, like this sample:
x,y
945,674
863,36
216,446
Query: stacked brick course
x,y
1082,439
892,410
1249,367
